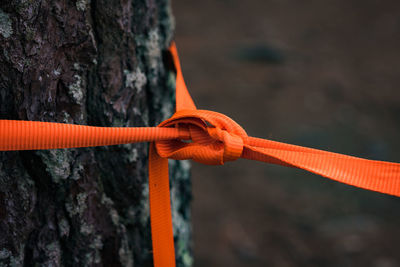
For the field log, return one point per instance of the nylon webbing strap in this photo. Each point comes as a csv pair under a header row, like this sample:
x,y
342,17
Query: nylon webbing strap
x,y
215,139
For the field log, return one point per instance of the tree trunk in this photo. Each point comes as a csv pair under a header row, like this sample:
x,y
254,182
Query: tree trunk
x,y
99,63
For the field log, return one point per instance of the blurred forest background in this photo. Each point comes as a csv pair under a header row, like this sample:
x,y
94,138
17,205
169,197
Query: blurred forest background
x,y
323,74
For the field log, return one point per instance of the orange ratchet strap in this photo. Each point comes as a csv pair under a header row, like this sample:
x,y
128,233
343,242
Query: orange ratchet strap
x,y
215,139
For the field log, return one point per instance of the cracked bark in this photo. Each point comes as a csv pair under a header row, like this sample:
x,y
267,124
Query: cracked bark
x,y
100,63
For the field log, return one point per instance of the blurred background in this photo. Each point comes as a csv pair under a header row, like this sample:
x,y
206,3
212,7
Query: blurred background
x,y
323,74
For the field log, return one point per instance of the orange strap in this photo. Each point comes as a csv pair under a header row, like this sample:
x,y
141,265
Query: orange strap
x,y
215,139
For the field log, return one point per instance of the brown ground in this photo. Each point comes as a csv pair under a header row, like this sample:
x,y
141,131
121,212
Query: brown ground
x,y
324,74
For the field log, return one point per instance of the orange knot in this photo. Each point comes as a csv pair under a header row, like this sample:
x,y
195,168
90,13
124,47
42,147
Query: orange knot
x,y
205,136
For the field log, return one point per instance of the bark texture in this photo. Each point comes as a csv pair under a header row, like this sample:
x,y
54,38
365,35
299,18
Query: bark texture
x,y
100,63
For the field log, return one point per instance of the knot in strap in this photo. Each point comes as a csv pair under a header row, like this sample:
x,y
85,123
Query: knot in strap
x,y
205,136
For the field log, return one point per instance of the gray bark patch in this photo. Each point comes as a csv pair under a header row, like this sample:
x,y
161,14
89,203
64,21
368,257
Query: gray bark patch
x,y
5,24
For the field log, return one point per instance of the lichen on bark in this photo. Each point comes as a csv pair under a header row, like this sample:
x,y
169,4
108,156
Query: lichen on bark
x,y
5,24
97,63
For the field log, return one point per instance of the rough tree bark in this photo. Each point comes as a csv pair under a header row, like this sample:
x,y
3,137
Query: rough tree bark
x,y
100,63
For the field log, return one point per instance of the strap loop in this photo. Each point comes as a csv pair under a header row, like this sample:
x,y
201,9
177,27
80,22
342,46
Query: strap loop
x,y
215,138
